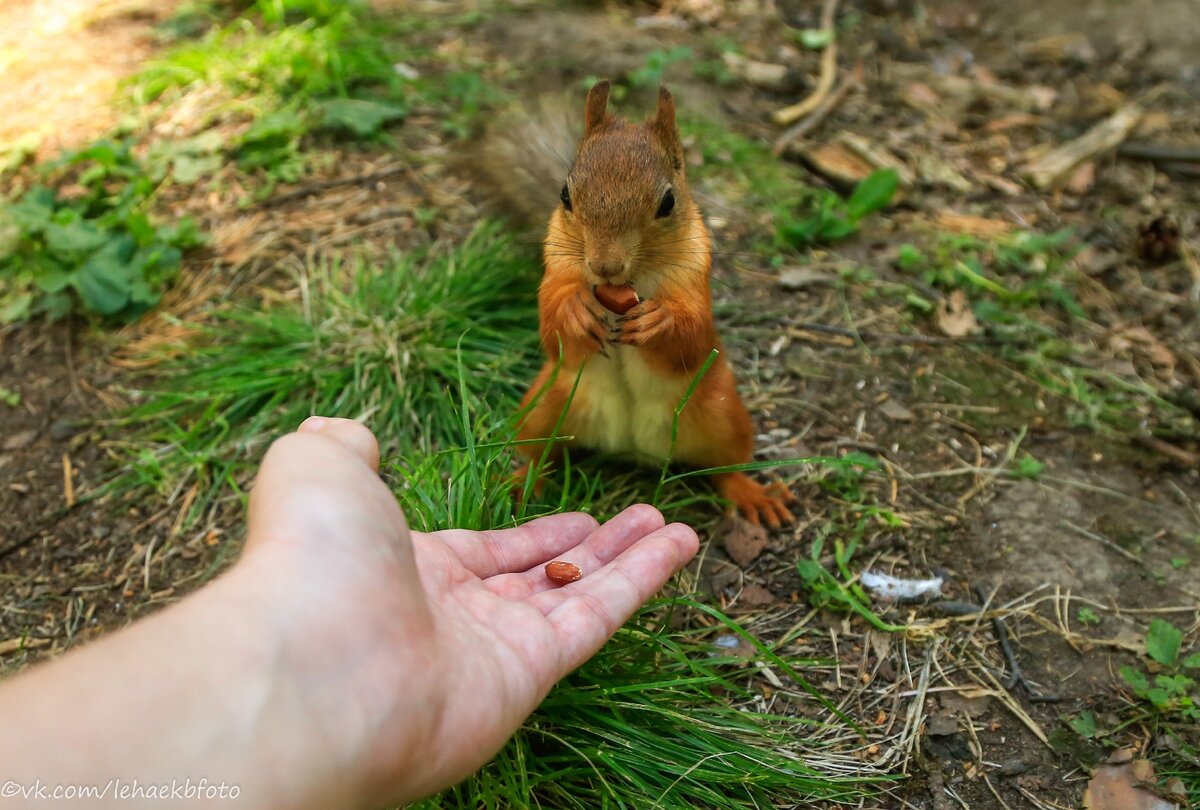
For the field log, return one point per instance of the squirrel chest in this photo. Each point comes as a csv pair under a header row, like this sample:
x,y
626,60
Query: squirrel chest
x,y
623,407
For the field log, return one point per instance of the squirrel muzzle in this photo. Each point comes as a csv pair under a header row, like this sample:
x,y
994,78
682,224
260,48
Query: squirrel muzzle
x,y
606,260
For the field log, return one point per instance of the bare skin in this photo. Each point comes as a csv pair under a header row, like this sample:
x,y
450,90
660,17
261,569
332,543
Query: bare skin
x,y
343,661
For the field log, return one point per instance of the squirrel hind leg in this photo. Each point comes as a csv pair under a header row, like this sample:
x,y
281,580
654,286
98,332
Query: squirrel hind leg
x,y
758,503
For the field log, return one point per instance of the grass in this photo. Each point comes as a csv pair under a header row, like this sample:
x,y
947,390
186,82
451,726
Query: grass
x,y
659,719
384,344
273,86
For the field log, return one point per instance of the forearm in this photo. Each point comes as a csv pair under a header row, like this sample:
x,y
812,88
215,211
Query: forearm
x,y
187,699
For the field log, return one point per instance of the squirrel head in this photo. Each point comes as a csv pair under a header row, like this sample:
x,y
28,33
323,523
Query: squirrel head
x,y
625,206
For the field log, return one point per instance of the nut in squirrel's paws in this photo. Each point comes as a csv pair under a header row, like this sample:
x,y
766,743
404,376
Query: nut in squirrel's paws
x,y
643,323
617,299
759,503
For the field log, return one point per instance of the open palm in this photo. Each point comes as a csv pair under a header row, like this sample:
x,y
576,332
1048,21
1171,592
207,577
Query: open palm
x,y
444,642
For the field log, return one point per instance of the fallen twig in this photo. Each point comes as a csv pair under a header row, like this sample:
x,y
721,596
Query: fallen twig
x,y
1169,450
852,82
1015,676
1056,166
866,337
1160,152
324,185
1101,539
792,114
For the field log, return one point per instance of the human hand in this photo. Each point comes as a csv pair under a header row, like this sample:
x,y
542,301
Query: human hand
x,y
415,656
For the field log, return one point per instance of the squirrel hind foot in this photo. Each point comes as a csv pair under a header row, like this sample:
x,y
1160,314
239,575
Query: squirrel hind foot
x,y
756,502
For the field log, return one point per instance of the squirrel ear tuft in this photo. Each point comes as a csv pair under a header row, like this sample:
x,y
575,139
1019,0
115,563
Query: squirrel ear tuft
x,y
664,126
664,118
596,111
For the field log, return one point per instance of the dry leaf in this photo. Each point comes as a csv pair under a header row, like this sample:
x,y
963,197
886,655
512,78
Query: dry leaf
x,y
743,540
1114,787
972,706
896,411
1081,179
1144,348
756,596
954,315
982,227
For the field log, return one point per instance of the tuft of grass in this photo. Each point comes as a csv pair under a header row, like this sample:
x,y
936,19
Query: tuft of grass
x,y
277,74
660,718
383,344
286,71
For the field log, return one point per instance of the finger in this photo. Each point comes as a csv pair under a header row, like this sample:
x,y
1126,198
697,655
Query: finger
x,y
354,436
601,546
586,613
486,554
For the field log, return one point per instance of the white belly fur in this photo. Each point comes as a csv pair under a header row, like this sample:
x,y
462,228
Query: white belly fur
x,y
624,408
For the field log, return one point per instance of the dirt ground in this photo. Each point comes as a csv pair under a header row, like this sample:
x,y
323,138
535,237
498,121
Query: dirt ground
x,y
1108,521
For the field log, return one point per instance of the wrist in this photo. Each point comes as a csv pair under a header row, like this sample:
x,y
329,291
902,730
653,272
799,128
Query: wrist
x,y
334,692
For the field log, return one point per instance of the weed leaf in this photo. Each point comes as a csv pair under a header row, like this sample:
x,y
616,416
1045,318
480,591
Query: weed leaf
x,y
873,194
360,116
1162,642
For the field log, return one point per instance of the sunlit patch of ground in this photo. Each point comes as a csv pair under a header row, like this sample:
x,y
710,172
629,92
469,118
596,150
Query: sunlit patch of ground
x,y
60,61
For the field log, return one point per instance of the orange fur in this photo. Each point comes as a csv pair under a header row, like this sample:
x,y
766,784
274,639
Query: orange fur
x,y
633,370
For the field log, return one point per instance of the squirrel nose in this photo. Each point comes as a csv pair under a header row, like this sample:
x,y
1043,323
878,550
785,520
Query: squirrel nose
x,y
607,268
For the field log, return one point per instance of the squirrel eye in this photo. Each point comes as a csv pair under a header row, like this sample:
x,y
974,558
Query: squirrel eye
x,y
565,196
666,206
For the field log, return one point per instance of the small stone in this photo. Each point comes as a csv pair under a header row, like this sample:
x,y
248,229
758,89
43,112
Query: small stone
x,y
896,411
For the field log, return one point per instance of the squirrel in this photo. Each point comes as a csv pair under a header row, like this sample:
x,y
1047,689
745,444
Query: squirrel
x,y
627,235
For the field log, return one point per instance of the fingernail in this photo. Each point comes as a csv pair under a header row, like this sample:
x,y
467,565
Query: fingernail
x,y
313,424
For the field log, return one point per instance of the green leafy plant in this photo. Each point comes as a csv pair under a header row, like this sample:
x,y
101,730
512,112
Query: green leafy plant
x,y
1004,277
1084,724
97,250
1028,467
293,68
823,216
1087,616
1172,692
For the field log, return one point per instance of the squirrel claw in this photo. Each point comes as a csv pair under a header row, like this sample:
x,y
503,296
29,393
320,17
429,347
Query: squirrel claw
x,y
756,502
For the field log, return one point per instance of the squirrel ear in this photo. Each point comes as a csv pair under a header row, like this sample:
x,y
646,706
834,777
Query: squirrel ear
x,y
664,125
664,118
596,111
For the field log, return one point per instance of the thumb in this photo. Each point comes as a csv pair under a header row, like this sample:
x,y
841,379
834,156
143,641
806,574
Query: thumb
x,y
354,436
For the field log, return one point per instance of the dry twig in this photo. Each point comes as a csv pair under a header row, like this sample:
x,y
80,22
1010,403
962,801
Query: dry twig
x,y
851,83
792,114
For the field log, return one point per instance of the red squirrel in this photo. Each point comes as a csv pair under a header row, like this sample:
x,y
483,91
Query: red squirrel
x,y
626,219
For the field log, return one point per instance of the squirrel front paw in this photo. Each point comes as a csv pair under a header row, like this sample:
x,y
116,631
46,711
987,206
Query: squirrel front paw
x,y
584,320
643,323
